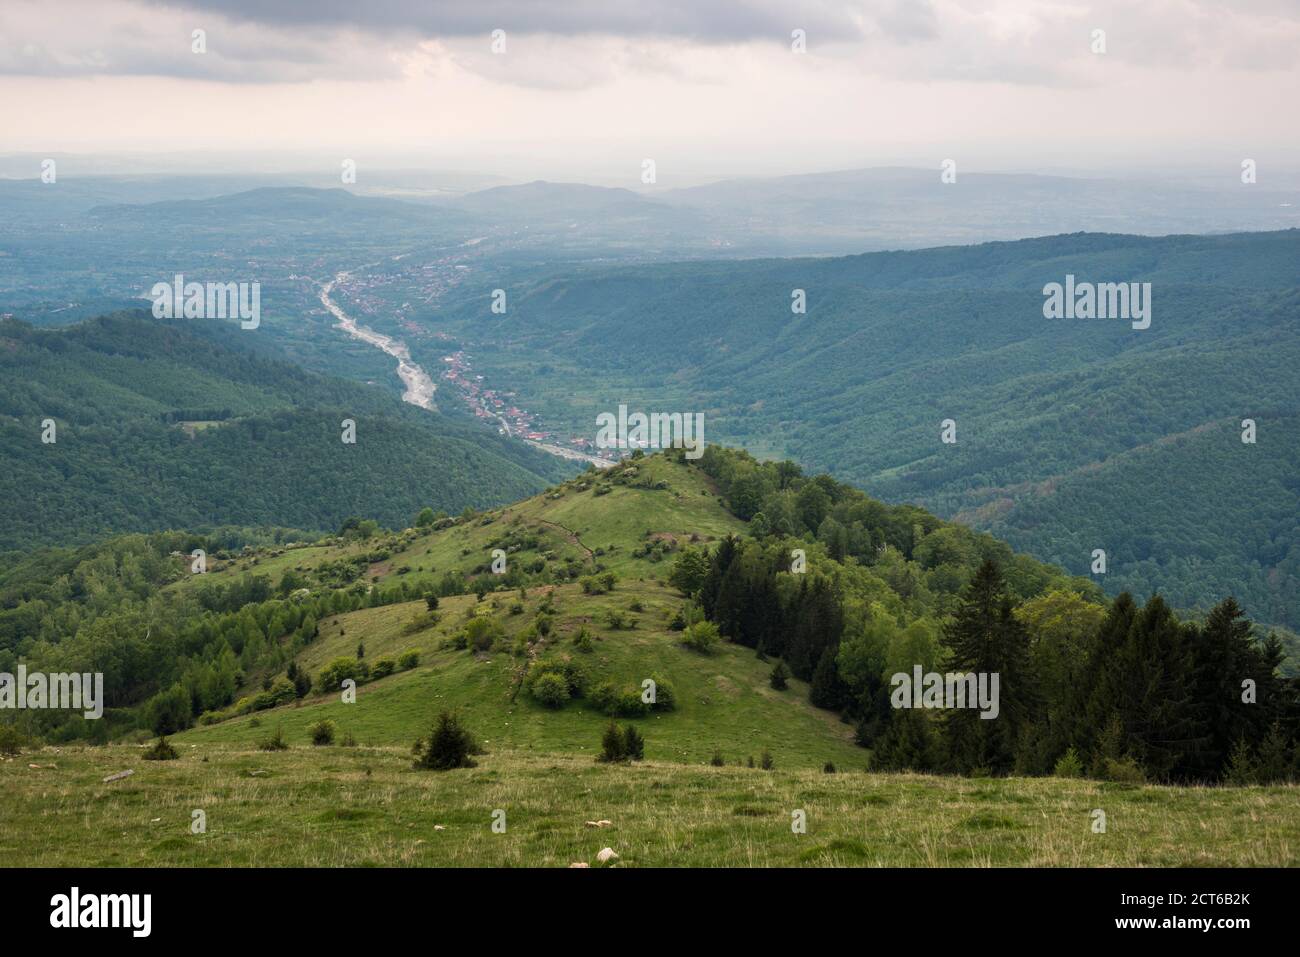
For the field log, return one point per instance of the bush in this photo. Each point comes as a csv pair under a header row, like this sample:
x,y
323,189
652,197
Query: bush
x,y
829,767
765,762
717,760
551,690
665,696
583,641
630,705
275,742
1122,771
1068,765
701,636
322,732
449,746
779,679
382,668
408,659
604,697
161,751
481,633
421,621
12,740
335,673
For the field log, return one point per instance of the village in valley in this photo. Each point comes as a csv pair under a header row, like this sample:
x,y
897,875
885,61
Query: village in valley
x,y
499,406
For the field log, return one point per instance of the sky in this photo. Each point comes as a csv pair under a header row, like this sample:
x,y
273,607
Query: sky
x,y
590,89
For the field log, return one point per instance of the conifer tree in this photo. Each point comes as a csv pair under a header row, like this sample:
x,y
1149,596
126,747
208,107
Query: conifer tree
x,y
633,743
612,744
985,637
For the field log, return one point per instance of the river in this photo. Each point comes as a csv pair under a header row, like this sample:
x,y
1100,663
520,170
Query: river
x,y
419,386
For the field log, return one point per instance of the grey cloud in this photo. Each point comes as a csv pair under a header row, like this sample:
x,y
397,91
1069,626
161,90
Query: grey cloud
x,y
706,21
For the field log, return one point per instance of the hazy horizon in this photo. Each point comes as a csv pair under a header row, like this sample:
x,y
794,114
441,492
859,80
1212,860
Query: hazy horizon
x,y
708,91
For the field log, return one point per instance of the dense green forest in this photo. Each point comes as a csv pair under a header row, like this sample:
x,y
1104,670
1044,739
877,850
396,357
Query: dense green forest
x,y
1071,435
160,424
1120,691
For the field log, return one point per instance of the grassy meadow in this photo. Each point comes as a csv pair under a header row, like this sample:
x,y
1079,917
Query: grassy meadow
x,y
333,806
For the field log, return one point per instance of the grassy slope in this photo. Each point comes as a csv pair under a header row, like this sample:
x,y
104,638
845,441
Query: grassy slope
x,y
621,518
723,699
361,806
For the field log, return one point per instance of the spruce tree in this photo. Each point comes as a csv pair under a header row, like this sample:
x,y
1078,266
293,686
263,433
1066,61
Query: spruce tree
x,y
1225,655
449,745
612,744
985,637
827,690
719,562
633,743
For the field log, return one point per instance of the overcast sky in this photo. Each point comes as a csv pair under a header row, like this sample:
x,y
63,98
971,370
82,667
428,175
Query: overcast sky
x,y
588,89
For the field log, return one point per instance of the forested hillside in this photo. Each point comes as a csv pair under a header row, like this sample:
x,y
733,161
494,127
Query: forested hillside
x,y
541,620
161,424
1071,435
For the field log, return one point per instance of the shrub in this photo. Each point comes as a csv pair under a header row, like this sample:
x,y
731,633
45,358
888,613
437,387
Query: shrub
x,y
517,608
481,633
335,673
382,668
829,767
765,762
322,732
12,740
615,619
421,621
717,760
630,705
1068,765
583,641
161,751
449,745
665,696
779,679
701,636
408,659
551,690
604,697
1122,771
275,742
